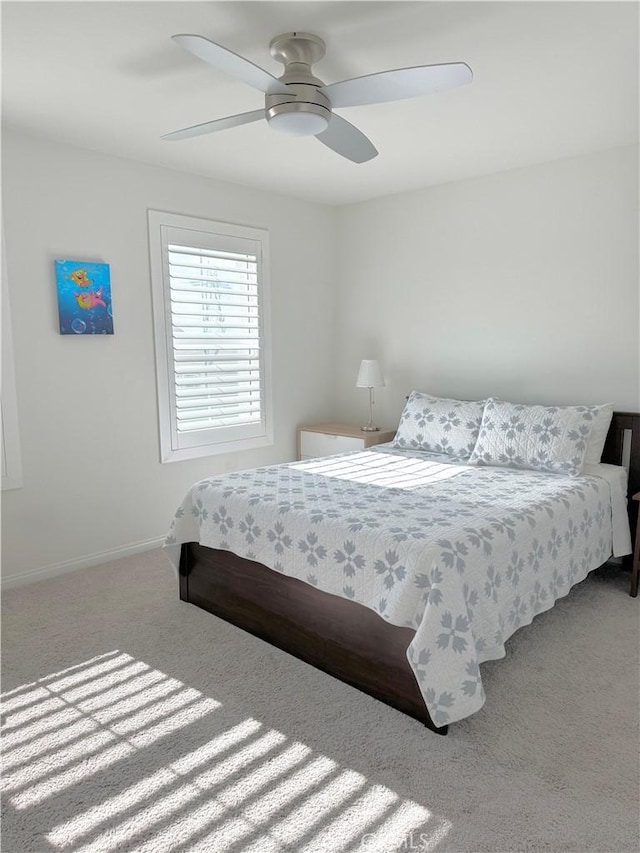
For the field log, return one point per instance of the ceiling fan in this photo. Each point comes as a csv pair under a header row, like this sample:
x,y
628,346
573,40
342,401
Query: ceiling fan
x,y
300,104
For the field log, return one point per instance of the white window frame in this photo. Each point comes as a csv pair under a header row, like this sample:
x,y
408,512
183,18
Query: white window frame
x,y
11,459
173,446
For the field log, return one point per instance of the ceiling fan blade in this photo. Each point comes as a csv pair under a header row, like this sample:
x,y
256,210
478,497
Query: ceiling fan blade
x,y
231,63
345,139
398,85
217,124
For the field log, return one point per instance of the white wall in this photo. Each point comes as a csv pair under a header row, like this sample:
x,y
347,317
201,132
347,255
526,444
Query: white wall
x,y
522,285
87,411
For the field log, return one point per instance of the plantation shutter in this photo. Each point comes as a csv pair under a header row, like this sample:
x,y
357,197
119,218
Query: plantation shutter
x,y
215,334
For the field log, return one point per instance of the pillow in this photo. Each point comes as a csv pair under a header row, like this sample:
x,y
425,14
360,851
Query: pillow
x,y
540,438
599,430
439,425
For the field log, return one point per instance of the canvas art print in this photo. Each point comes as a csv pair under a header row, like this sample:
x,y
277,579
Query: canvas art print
x,y
84,298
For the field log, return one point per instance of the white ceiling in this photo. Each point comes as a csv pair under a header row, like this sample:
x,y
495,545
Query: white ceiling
x,y
551,80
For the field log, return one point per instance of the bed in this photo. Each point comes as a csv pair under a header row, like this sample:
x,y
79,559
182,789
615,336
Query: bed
x,y
399,573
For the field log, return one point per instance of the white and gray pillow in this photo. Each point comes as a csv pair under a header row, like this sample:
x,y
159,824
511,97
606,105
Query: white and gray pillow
x,y
439,425
540,438
599,430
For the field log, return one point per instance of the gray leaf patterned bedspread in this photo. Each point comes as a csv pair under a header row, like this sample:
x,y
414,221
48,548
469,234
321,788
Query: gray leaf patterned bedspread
x,y
463,555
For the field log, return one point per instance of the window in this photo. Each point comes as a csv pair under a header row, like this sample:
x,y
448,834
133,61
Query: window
x,y
210,305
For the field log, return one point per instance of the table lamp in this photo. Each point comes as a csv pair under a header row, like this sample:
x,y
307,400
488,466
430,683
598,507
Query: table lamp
x,y
370,376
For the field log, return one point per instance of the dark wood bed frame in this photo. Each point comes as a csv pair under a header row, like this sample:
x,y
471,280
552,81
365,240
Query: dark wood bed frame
x,y
340,637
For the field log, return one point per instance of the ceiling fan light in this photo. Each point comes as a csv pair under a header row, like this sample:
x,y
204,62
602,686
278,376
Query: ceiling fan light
x,y
299,124
298,119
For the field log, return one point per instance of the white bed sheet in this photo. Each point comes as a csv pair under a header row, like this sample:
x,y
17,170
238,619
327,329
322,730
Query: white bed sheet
x,y
462,555
616,477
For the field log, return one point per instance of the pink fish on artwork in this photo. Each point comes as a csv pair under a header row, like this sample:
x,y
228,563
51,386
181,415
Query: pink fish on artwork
x,y
90,299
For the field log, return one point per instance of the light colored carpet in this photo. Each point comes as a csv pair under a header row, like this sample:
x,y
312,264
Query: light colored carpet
x,y
134,721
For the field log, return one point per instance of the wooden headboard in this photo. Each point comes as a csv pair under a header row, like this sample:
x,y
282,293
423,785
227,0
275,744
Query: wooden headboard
x,y
626,422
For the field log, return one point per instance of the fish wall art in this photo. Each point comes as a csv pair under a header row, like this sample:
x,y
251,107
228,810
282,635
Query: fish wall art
x,y
84,298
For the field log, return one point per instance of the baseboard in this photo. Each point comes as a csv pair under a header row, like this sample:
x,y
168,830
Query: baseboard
x,y
51,571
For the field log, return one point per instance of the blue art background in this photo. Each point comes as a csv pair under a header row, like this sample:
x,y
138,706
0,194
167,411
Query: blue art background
x,y
74,319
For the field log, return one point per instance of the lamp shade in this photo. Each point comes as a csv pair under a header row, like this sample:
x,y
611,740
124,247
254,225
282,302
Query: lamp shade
x,y
369,375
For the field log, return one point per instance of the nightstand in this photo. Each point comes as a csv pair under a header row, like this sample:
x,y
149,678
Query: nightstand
x,y
327,439
635,566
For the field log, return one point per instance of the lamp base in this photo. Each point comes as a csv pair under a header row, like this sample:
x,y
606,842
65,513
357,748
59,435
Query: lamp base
x,y
370,428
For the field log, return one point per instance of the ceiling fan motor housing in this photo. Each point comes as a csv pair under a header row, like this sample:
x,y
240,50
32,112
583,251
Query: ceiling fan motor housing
x,y
303,110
